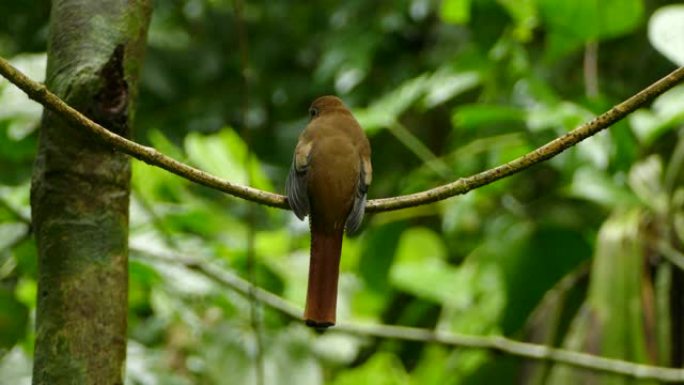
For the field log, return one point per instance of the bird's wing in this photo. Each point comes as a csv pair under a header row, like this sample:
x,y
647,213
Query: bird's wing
x,y
296,186
355,216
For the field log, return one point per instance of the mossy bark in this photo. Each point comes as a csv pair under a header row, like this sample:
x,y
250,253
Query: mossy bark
x,y
80,193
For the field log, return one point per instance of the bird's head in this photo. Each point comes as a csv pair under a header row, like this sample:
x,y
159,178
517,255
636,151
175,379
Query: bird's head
x,y
326,104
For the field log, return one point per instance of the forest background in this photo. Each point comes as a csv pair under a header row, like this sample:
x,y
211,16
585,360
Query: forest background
x,y
582,252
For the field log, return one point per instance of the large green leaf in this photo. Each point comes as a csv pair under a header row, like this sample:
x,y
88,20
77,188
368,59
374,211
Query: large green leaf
x,y
588,20
598,187
420,268
378,253
430,88
224,154
474,116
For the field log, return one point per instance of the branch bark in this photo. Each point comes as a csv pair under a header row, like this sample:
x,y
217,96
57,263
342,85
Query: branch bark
x,y
40,93
494,343
80,193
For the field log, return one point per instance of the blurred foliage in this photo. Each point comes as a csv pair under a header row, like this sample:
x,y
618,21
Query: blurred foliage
x,y
583,251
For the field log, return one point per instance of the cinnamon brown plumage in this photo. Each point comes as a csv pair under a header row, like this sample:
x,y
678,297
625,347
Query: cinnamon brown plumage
x,y
330,174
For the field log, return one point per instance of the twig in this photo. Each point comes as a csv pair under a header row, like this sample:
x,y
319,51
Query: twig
x,y
549,150
225,278
494,343
422,151
41,94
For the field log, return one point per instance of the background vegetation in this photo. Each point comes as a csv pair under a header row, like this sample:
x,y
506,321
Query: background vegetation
x,y
582,252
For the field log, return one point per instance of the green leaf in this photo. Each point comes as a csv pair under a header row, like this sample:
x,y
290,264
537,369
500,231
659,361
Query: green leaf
x,y
419,244
445,84
563,116
430,369
26,292
10,232
597,186
15,367
388,108
529,272
587,20
13,319
163,144
431,279
474,116
419,266
224,154
524,12
272,244
378,253
381,369
455,11
23,113
665,114
666,34
433,89
154,184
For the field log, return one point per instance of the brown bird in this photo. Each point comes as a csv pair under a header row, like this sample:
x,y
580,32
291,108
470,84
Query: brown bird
x,y
330,174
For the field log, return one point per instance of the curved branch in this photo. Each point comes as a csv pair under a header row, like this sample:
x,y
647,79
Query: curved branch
x,y
42,95
549,150
494,343
149,155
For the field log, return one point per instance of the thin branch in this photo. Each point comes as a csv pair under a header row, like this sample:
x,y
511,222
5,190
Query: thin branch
x,y
549,150
422,151
223,277
41,94
494,343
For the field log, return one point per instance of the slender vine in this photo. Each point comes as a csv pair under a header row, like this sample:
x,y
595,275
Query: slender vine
x,y
494,343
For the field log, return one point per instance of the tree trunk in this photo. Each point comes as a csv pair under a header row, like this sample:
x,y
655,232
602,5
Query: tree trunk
x,y
80,193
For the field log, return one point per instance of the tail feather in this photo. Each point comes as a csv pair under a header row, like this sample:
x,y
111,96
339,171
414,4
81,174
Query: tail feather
x,y
324,270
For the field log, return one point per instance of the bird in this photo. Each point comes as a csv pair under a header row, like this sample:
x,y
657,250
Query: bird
x,y
328,181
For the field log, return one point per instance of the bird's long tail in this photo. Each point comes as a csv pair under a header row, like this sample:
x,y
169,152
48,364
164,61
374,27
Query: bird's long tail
x,y
324,270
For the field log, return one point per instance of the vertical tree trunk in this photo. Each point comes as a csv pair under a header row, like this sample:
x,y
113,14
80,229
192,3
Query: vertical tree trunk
x,y
80,193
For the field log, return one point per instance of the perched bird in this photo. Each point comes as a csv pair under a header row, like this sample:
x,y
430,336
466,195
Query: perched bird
x,y
330,174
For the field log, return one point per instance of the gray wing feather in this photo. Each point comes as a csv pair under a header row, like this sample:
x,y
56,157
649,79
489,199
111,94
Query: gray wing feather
x,y
296,191
355,216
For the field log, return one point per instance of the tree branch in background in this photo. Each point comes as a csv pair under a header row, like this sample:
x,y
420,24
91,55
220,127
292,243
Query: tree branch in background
x,y
41,94
494,343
